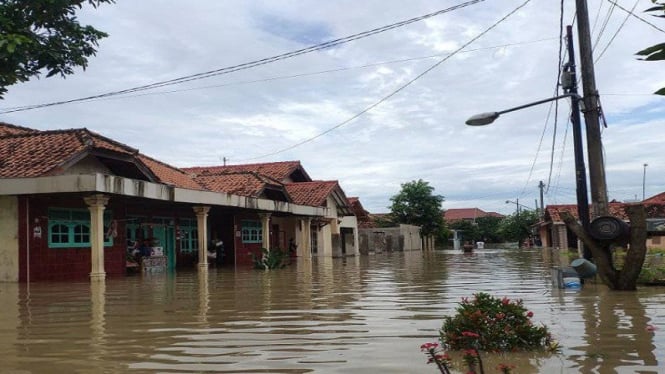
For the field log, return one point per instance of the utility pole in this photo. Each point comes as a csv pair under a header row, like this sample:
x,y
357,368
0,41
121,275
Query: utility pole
x,y
644,182
570,86
541,185
591,114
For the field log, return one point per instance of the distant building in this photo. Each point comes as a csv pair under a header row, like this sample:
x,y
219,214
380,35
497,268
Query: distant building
x,y
468,214
554,233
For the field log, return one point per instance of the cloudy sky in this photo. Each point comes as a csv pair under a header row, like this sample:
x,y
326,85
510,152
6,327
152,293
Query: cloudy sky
x,y
279,111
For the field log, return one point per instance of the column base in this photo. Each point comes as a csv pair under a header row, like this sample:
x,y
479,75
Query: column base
x,y
98,276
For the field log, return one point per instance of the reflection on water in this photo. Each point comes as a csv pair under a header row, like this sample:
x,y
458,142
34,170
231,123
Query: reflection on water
x,y
355,315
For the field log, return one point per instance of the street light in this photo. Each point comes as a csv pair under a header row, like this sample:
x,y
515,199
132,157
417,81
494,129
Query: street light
x,y
517,205
483,119
569,84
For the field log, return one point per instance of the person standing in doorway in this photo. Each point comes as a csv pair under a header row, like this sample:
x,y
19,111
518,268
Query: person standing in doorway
x,y
219,251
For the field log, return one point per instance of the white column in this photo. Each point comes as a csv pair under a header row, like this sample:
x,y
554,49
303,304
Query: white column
x,y
202,228
265,227
96,205
306,237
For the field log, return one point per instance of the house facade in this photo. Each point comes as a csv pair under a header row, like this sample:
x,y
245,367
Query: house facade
x,y
554,233
73,201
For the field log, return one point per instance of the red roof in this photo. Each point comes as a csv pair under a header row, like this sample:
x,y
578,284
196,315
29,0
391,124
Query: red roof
x,y
242,184
8,129
168,174
313,193
39,153
616,209
280,171
657,199
26,153
467,214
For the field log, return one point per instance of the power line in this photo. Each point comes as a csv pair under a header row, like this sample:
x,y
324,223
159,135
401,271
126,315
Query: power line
x,y
393,93
251,64
617,31
636,16
282,77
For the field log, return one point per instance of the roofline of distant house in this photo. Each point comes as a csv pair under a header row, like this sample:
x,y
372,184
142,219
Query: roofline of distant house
x,y
110,184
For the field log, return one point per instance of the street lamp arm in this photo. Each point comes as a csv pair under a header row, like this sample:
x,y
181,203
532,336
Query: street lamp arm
x,y
483,119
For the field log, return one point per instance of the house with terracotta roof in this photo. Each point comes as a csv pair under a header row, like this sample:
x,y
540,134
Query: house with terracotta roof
x,y
331,236
71,201
554,233
467,214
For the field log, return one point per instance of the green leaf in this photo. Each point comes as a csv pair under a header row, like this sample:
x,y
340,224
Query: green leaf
x,y
660,92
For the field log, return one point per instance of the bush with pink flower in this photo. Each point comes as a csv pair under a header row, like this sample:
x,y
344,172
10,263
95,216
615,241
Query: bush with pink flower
x,y
490,324
487,324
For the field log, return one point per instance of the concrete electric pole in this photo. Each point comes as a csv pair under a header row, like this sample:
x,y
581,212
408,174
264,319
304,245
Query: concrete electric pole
x,y
592,114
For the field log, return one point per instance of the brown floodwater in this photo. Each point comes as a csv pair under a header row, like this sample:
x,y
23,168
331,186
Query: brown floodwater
x,y
356,315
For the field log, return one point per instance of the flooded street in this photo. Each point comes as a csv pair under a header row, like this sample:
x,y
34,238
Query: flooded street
x,y
356,315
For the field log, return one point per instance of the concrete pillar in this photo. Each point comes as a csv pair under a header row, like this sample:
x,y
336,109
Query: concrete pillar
x,y
96,205
305,249
202,228
265,228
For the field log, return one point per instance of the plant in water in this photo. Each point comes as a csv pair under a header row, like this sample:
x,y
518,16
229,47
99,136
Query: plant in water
x,y
270,259
497,325
489,324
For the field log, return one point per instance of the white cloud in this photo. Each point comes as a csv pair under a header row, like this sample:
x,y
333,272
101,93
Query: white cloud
x,y
417,134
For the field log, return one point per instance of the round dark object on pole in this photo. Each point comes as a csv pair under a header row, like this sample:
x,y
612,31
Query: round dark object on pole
x,y
610,228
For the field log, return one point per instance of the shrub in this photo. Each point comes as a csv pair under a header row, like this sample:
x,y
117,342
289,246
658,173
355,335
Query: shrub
x,y
486,323
270,259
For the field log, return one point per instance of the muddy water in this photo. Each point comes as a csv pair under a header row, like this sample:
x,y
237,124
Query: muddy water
x,y
357,315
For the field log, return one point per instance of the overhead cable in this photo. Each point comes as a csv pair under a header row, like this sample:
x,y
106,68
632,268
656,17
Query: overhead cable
x,y
395,92
251,64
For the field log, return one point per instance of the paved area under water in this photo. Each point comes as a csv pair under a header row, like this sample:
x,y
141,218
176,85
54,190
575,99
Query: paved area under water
x,y
356,315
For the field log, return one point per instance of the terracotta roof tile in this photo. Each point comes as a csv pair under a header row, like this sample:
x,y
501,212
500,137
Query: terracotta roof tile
x,y
168,174
313,193
9,129
616,209
276,170
657,199
37,153
243,183
467,213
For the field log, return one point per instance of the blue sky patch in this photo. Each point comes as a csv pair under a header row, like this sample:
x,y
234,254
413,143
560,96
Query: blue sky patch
x,y
299,30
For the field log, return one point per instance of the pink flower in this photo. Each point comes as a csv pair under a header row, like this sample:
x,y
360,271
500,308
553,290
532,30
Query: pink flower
x,y
470,334
505,301
428,346
529,314
500,316
651,328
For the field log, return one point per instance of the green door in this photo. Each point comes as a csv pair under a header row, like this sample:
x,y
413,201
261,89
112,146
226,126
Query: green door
x,y
166,236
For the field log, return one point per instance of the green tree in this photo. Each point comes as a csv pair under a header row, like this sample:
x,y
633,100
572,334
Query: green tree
x,y
43,35
517,227
655,52
416,204
470,230
488,228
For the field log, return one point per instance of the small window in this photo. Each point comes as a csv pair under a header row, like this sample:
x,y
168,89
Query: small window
x,y
81,233
59,233
252,232
70,228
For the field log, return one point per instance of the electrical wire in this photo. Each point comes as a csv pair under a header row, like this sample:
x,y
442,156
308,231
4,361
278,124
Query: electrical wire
x,y
251,64
556,90
283,77
393,93
603,27
600,55
636,16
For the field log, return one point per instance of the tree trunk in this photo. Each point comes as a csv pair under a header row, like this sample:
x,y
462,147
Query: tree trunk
x,y
626,278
